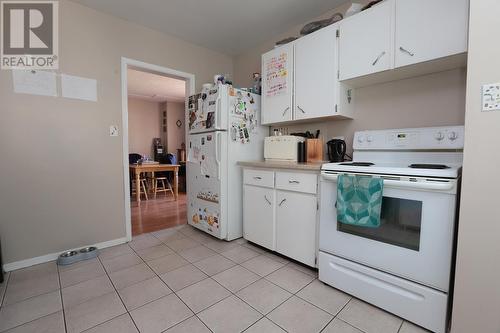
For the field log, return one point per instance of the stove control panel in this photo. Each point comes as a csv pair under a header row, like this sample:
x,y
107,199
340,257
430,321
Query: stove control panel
x,y
427,138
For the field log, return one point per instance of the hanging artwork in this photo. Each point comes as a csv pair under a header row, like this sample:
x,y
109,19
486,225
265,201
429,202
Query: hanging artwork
x,y
276,75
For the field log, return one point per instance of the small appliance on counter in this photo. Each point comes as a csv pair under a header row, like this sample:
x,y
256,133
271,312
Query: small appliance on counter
x,y
282,148
336,150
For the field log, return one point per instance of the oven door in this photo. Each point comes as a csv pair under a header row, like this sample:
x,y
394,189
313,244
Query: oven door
x,y
415,236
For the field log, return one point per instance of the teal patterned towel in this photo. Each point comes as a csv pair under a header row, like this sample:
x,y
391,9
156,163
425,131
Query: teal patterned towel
x,y
359,200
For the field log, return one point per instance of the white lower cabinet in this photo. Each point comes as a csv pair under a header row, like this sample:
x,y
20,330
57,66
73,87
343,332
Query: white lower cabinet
x,y
296,226
282,217
258,206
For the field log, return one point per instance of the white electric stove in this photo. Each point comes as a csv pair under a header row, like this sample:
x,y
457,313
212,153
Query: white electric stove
x,y
404,265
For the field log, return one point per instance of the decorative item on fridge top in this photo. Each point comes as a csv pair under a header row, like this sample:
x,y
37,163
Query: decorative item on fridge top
x,y
314,26
243,116
222,79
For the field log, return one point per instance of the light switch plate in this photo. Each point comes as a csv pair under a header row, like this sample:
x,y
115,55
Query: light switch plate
x,y
113,130
491,97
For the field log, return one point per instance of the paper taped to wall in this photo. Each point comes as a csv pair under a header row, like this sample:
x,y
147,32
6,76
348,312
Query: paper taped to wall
x,y
34,82
78,88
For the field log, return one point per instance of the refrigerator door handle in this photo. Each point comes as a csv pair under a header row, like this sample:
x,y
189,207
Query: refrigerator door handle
x,y
217,113
217,152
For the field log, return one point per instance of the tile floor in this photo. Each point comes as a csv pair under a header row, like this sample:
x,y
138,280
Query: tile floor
x,y
181,280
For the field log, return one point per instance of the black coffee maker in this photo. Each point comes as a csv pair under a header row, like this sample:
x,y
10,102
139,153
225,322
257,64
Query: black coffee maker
x,y
336,150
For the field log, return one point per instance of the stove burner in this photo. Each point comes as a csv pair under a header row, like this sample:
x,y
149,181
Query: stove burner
x,y
363,164
428,166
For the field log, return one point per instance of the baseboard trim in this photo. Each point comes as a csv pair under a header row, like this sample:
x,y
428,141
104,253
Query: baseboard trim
x,y
53,256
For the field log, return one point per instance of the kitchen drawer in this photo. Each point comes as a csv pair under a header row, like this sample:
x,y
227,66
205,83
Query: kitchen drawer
x,y
299,182
258,177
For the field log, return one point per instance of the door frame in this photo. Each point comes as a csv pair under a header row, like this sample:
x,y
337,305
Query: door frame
x,y
127,63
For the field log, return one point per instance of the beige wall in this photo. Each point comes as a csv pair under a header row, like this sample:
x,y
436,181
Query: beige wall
x,y
431,100
143,125
63,184
476,306
176,135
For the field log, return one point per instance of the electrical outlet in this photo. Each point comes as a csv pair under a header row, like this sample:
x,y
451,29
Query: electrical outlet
x,y
113,130
491,97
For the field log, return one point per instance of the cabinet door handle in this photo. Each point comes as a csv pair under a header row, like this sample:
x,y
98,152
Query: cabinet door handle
x,y
293,182
285,111
378,58
268,201
402,49
282,202
257,177
301,109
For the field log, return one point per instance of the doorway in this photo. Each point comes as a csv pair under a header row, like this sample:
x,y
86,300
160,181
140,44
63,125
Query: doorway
x,y
154,101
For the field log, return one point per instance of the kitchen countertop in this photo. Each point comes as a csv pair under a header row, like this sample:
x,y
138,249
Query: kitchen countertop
x,y
308,166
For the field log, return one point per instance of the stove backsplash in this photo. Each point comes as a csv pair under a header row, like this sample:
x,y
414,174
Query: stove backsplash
x,y
432,100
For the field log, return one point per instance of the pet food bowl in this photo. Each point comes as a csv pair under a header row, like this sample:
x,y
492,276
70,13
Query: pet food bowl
x,y
69,254
88,252
70,257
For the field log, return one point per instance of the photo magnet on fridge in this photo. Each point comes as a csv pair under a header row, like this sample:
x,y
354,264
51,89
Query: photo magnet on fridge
x,y
209,121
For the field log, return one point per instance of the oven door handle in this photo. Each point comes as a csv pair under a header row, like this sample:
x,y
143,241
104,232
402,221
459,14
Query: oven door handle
x,y
433,186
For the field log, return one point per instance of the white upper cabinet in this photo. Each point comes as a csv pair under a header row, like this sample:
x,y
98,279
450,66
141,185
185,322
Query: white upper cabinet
x,y
429,29
299,80
366,41
315,74
277,85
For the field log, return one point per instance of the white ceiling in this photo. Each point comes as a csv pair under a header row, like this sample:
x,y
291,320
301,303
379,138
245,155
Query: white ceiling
x,y
154,88
229,26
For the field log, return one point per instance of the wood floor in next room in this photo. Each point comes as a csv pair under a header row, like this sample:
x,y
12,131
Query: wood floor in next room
x,y
157,214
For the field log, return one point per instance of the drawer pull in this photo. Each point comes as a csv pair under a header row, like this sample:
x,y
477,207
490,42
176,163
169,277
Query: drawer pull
x,y
257,178
300,109
268,201
282,202
284,112
293,182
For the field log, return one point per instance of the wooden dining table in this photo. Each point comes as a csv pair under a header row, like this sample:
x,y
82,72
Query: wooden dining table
x,y
137,169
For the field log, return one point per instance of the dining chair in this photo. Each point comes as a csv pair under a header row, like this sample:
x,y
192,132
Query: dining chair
x,y
162,178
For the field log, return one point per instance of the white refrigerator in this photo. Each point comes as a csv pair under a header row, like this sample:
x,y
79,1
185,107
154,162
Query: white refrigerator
x,y
223,128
